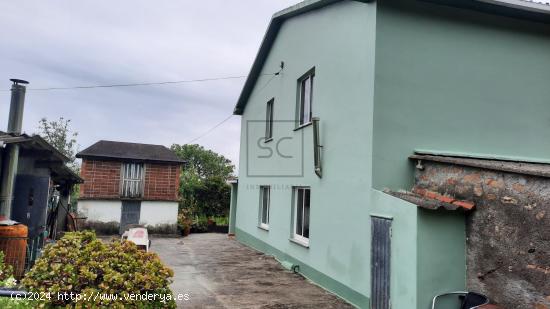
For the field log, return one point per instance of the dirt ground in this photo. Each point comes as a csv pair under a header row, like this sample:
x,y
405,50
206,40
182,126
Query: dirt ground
x,y
218,272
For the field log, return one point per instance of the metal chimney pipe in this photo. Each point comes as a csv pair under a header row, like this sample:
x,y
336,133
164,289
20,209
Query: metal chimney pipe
x,y
17,105
11,157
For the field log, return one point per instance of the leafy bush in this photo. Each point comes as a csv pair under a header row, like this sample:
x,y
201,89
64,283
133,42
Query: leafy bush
x,y
80,263
221,221
8,281
200,224
6,271
9,303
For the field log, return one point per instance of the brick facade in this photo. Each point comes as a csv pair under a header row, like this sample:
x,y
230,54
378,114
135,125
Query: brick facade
x,y
161,182
102,180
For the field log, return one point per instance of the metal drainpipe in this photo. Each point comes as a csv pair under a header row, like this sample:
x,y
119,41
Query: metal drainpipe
x,y
11,154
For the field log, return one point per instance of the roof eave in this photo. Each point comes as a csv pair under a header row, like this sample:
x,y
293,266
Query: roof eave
x,y
269,39
307,6
114,158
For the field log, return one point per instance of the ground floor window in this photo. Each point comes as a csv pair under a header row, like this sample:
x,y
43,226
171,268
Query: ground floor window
x,y
264,207
301,215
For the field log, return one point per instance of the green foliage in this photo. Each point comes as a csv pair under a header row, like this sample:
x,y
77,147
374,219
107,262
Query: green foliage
x,y
203,187
205,164
6,271
200,223
81,263
8,281
8,303
213,197
221,221
58,134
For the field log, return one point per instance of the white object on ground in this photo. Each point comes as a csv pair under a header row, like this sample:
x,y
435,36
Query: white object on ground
x,y
138,236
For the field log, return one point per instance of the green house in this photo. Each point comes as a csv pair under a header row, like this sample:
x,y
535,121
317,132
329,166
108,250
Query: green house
x,y
347,107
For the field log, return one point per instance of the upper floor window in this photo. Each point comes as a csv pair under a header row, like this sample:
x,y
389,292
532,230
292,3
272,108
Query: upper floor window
x,y
269,120
305,97
264,207
132,180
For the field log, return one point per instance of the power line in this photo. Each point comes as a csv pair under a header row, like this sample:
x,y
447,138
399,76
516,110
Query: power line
x,y
143,84
226,119
209,130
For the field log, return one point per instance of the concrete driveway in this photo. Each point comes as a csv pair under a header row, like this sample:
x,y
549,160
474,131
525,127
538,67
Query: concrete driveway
x,y
217,272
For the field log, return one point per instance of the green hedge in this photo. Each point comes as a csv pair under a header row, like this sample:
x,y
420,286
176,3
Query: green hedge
x,y
82,264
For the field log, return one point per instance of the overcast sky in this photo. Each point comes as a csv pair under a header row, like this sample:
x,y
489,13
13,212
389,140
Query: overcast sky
x,y
72,43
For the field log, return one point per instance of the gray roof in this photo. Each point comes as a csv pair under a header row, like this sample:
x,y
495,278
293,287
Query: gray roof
x,y
537,10
37,146
129,151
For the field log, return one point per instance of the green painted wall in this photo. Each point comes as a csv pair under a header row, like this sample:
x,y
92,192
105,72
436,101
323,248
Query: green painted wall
x,y
441,257
454,80
233,208
403,247
326,39
390,77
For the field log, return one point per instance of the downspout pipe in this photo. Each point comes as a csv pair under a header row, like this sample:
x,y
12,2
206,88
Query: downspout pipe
x,y
11,153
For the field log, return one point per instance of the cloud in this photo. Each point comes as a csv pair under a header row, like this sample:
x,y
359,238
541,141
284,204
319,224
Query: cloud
x,y
66,43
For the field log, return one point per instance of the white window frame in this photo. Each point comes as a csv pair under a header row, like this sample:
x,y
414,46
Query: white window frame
x,y
132,177
269,120
263,190
302,121
297,237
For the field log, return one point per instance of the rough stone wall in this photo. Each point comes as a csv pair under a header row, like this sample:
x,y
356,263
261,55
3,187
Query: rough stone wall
x,y
508,233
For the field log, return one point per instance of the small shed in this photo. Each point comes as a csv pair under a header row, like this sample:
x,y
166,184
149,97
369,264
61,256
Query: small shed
x,y
129,184
43,184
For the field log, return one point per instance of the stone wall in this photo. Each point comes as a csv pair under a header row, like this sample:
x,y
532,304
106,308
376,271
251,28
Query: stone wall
x,y
508,234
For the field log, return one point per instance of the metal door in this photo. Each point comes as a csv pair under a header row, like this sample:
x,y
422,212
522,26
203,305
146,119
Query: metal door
x,y
129,214
30,202
380,263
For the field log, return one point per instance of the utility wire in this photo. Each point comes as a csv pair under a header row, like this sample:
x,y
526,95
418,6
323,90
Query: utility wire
x,y
143,84
209,130
226,119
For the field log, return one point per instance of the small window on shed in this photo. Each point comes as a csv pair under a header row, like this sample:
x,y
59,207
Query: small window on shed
x,y
132,180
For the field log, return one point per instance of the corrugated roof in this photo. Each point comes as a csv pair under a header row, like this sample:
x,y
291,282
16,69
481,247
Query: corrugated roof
x,y
129,151
61,174
31,143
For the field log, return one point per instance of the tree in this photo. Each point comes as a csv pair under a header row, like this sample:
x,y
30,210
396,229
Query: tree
x,y
58,134
203,187
204,163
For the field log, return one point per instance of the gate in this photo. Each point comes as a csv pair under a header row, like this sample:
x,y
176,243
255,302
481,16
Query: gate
x,y
380,263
